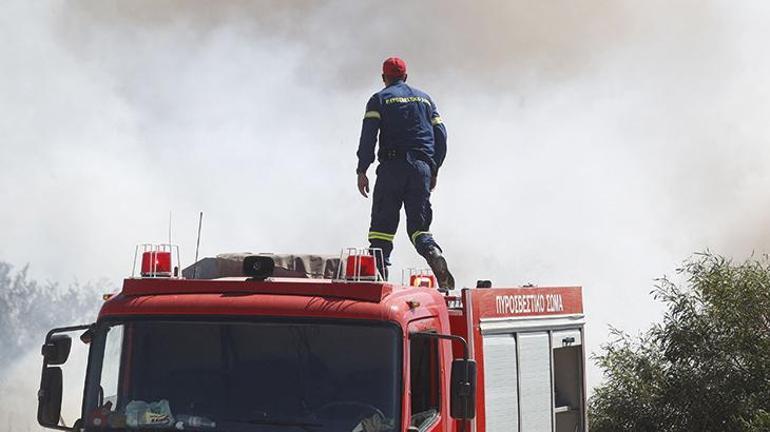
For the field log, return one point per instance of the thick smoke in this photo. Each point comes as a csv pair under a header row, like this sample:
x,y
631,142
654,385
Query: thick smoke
x,y
28,309
590,142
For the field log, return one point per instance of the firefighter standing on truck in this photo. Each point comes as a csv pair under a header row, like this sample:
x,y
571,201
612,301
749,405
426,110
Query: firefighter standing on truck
x,y
412,149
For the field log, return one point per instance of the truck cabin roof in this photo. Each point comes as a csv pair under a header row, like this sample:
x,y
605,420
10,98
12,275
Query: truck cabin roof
x,y
239,296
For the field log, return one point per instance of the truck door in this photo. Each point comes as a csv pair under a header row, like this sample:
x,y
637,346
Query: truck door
x,y
517,382
501,383
569,406
426,374
535,381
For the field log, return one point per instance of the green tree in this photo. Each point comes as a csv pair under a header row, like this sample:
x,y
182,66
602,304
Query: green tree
x,y
28,309
706,367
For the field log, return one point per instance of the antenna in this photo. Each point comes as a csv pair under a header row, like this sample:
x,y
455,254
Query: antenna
x,y
169,227
197,246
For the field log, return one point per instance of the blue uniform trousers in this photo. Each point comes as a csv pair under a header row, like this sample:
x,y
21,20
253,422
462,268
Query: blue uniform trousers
x,y
402,181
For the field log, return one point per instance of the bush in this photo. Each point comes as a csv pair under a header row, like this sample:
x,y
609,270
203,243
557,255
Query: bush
x,y
28,309
706,367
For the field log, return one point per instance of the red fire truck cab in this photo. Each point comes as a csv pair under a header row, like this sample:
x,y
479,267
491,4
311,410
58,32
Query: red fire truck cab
x,y
258,352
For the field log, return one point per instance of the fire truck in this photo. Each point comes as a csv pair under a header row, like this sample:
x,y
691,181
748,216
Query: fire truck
x,y
312,343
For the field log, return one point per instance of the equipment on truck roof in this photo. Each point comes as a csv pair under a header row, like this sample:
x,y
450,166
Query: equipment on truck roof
x,y
286,265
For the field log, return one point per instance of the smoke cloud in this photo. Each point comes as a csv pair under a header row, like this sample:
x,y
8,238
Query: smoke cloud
x,y
590,142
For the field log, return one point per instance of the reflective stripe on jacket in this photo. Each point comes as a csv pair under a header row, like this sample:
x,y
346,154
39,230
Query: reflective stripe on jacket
x,y
407,121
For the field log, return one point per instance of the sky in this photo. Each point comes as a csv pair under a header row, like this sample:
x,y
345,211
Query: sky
x,y
592,142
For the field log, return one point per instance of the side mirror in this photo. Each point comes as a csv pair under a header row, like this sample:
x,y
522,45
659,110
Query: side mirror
x,y
56,349
463,389
49,397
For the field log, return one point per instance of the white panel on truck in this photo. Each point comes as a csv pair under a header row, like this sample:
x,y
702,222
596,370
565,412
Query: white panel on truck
x,y
500,386
535,384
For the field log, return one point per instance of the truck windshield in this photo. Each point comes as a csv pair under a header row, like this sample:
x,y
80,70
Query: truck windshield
x,y
245,376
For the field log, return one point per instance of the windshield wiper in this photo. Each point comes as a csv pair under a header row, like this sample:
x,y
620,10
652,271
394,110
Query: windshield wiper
x,y
306,426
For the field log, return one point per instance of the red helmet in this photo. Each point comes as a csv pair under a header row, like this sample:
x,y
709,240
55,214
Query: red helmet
x,y
394,67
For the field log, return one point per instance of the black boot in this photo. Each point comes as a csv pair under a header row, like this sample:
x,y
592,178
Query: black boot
x,y
438,264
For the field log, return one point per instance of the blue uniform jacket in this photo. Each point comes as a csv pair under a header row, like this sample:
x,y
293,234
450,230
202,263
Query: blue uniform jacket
x,y
407,121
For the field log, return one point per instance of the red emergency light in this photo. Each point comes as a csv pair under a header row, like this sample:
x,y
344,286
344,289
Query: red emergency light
x,y
422,281
156,264
420,278
156,260
361,266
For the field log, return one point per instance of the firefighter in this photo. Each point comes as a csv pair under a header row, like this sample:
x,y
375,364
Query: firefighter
x,y
412,149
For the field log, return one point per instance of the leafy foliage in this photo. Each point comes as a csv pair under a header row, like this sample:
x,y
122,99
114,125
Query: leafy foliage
x,y
706,367
28,309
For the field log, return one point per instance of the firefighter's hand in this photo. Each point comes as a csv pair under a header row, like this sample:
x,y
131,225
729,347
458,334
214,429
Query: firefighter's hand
x,y
363,185
433,180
